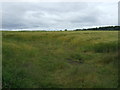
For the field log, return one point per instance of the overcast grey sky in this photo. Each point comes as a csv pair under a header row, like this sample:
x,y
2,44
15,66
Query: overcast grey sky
x,y
58,15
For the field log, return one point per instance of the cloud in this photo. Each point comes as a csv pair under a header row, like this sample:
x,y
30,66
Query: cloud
x,y
58,15
59,0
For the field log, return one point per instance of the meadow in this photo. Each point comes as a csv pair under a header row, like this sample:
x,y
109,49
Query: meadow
x,y
60,59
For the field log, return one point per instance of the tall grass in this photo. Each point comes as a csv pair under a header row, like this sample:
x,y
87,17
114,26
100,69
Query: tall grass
x,y
82,59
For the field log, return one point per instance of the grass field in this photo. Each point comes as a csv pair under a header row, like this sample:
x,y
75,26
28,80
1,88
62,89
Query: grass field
x,y
71,59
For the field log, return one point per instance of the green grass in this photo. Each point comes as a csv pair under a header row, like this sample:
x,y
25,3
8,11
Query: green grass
x,y
72,59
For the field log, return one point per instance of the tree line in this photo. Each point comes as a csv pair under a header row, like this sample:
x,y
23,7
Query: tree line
x,y
110,28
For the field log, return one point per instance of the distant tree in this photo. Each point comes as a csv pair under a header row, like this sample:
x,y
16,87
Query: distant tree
x,y
65,29
109,28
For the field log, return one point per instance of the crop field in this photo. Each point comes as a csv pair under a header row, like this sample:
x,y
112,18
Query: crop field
x,y
60,59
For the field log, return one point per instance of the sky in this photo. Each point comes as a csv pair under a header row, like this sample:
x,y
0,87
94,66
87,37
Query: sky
x,y
58,15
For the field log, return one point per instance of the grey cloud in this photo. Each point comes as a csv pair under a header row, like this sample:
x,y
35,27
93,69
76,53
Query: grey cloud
x,y
58,15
